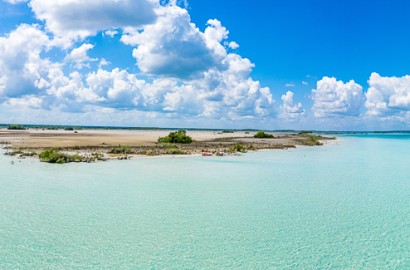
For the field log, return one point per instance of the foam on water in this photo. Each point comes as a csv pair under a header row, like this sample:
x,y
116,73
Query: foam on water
x,y
345,205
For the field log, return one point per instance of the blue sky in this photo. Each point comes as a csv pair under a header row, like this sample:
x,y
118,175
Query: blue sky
x,y
328,65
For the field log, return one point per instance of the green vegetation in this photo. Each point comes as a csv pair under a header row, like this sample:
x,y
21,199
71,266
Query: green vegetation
x,y
21,153
311,140
176,151
238,148
262,135
150,152
52,128
251,147
228,131
121,149
176,137
16,127
28,154
98,156
14,152
55,156
71,128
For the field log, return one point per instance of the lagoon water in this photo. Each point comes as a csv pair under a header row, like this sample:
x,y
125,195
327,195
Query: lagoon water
x,y
344,205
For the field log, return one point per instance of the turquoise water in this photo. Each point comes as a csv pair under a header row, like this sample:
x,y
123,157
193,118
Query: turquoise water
x,y
345,205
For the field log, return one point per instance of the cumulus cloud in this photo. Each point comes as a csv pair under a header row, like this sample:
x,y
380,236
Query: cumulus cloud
x,y
202,77
290,110
233,45
333,98
173,46
21,64
388,95
30,101
117,88
76,19
121,90
111,33
79,56
103,63
184,71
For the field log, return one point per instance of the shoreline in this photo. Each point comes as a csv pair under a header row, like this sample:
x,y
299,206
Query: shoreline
x,y
103,145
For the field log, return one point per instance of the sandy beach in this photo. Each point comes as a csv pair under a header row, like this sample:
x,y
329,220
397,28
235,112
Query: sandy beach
x,y
106,144
38,138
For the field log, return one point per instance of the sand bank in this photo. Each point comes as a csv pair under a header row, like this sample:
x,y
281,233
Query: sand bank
x,y
144,142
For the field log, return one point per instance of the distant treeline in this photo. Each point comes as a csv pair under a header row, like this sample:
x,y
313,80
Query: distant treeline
x,y
70,127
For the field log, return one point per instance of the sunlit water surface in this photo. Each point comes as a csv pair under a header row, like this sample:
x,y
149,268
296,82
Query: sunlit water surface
x,y
344,205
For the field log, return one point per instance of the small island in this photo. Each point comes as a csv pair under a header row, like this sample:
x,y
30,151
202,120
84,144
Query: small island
x,y
66,145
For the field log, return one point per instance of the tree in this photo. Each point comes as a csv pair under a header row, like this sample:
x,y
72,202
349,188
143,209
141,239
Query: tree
x,y
176,137
262,135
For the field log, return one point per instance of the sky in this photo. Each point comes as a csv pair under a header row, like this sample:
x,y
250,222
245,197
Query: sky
x,y
319,64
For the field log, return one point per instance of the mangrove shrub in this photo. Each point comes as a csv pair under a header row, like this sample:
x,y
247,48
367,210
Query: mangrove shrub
x,y
262,135
176,137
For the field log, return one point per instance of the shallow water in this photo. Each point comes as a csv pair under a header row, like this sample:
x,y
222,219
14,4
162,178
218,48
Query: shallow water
x,y
345,205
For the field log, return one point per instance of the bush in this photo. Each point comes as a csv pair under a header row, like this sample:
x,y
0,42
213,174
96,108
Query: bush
x,y
262,135
55,156
52,128
98,156
238,148
311,140
121,149
16,127
176,137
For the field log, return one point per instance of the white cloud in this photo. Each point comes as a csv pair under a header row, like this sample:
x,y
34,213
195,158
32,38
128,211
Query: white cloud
x,y
172,46
333,98
305,83
233,45
117,88
290,85
64,88
289,110
20,61
111,33
15,1
214,34
79,56
103,63
388,95
183,3
184,71
30,101
203,78
77,19
3,83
